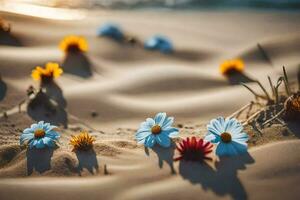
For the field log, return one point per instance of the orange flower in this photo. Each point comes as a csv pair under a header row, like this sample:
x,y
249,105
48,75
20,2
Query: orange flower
x,y
51,70
232,66
84,141
73,43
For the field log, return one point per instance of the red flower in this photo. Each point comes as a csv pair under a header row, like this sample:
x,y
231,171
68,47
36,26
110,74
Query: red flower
x,y
194,150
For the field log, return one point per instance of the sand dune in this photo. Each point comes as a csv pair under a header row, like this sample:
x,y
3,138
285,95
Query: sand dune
x,y
113,87
252,176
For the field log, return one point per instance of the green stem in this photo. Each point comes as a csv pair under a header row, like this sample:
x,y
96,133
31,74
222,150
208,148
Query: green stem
x,y
272,86
286,82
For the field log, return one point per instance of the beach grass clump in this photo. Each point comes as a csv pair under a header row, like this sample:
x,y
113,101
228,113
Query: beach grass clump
x,y
48,73
277,106
82,142
233,66
74,44
193,149
40,135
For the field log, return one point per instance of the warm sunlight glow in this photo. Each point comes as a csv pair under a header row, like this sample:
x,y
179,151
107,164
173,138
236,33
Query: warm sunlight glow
x,y
42,11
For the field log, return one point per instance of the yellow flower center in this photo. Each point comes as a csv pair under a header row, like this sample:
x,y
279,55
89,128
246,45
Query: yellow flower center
x,y
156,129
39,133
226,137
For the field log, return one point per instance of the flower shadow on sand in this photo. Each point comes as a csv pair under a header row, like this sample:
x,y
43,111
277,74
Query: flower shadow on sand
x,y
164,155
39,160
3,89
44,107
6,38
223,180
236,78
55,93
77,63
87,160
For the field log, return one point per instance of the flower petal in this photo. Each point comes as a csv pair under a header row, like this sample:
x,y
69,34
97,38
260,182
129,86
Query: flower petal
x,y
240,147
52,134
40,144
32,143
163,140
41,125
231,151
213,138
48,141
242,137
150,141
167,122
28,130
149,123
233,126
221,149
171,132
160,118
216,126
34,127
26,137
141,135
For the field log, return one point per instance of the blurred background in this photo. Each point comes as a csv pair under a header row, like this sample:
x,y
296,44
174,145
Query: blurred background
x,y
164,4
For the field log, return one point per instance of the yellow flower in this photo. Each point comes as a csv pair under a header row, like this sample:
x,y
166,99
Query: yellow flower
x,y
51,70
231,66
73,43
84,141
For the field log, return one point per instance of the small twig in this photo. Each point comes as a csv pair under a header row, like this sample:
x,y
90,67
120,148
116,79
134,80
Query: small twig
x,y
250,109
20,105
273,118
105,170
240,110
280,121
286,82
253,116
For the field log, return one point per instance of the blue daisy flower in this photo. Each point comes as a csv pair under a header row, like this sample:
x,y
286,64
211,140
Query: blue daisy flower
x,y
158,130
159,43
228,135
111,31
40,135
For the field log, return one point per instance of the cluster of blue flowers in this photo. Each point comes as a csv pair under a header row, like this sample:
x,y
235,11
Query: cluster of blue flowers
x,y
155,43
227,134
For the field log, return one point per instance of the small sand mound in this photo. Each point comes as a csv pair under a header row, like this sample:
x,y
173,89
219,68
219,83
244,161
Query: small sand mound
x,y
63,164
